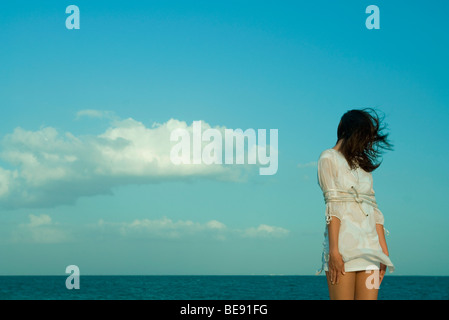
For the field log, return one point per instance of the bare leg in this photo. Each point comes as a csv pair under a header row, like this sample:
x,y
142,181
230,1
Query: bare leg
x,y
345,289
366,288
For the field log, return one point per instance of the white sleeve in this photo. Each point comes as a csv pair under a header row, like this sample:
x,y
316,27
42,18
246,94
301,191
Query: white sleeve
x,y
327,172
379,217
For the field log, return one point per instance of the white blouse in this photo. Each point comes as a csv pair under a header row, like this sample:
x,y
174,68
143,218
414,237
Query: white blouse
x,y
349,196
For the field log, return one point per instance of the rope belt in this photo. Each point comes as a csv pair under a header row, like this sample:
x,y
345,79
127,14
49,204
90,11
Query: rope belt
x,y
351,195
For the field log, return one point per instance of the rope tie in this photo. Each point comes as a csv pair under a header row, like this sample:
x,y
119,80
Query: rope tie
x,y
352,195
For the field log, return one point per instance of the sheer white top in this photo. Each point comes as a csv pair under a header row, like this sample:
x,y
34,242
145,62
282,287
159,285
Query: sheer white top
x,y
349,196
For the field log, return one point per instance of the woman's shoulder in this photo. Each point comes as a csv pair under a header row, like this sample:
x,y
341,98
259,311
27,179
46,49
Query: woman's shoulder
x,y
328,156
328,153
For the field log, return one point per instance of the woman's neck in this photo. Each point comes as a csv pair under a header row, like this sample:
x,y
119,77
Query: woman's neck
x,y
338,145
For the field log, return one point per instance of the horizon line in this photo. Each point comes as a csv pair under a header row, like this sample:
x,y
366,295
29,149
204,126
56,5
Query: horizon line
x,y
200,275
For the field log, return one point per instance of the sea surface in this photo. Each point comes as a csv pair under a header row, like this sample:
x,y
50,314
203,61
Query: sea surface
x,y
209,288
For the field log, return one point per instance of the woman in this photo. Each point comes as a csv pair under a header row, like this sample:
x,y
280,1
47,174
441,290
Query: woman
x,y
355,254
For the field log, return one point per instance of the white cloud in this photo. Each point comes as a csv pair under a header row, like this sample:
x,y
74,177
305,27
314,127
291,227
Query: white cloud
x,y
36,221
43,230
90,113
307,165
165,228
51,168
266,231
214,224
5,181
40,229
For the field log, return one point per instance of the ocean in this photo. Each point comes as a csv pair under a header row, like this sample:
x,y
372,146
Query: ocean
x,y
209,288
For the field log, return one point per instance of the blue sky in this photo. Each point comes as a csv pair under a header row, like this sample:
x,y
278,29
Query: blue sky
x,y
71,193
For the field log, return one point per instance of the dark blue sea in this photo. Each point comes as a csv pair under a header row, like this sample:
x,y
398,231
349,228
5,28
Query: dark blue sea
x,y
209,288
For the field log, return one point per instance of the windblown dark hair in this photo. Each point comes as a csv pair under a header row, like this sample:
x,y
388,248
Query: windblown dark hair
x,y
362,139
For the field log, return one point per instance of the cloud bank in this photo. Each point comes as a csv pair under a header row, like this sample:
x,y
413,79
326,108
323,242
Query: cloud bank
x,y
165,228
47,168
42,229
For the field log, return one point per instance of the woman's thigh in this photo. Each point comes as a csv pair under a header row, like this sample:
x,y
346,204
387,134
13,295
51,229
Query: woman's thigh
x,y
366,286
345,289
